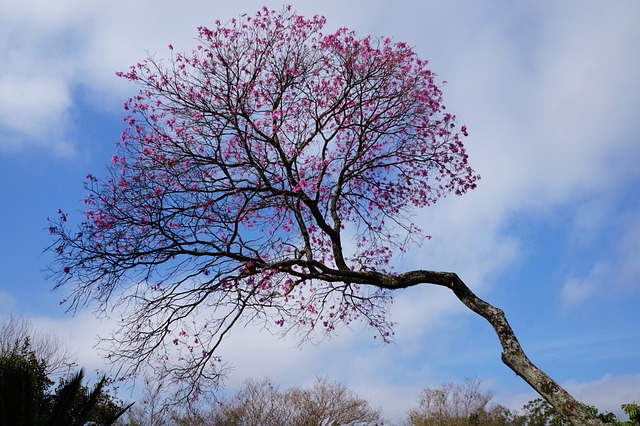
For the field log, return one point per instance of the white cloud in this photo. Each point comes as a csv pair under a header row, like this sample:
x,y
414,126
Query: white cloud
x,y
51,50
25,99
40,45
617,274
577,291
578,67
608,392
548,107
81,331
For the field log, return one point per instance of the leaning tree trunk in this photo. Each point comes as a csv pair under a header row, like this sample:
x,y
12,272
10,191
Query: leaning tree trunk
x,y
512,354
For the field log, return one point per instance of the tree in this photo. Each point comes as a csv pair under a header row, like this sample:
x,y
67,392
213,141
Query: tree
x,y
73,404
270,175
53,352
23,384
156,408
330,403
326,403
455,404
538,412
150,409
633,411
26,398
255,403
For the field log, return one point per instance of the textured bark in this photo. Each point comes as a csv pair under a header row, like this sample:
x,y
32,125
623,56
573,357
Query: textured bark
x,y
512,354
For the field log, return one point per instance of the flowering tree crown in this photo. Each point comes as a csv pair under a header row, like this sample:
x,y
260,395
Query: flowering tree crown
x,y
264,175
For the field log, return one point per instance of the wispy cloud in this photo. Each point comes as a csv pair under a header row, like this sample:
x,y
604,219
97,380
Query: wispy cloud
x,y
617,274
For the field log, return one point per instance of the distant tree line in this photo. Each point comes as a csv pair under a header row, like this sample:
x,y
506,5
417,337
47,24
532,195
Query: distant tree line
x,y
466,404
263,403
29,396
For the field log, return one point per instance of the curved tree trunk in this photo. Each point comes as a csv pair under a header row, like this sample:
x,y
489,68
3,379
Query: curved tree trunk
x,y
512,354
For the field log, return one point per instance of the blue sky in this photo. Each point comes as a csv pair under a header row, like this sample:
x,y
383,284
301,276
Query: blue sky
x,y
551,96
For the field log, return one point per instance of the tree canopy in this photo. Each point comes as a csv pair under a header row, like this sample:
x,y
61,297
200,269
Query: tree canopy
x,y
266,175
26,394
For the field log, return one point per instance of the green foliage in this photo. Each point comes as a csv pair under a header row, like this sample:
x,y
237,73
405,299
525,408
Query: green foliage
x,y
540,413
26,397
23,385
633,411
74,404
